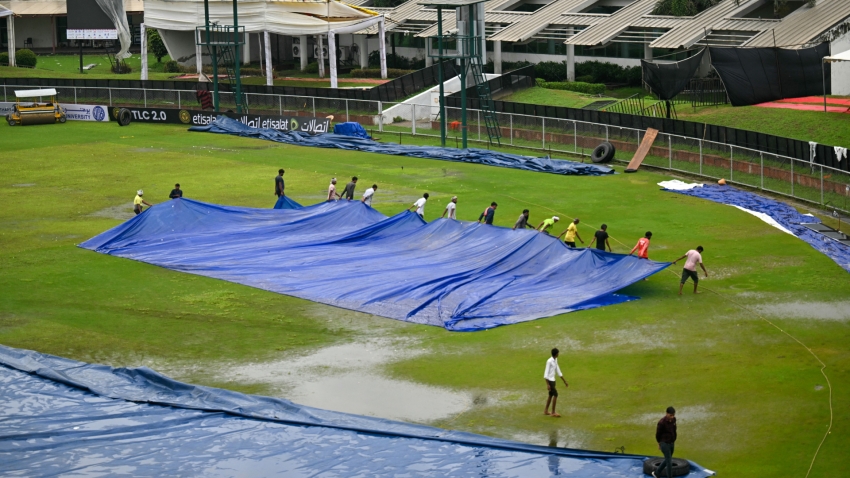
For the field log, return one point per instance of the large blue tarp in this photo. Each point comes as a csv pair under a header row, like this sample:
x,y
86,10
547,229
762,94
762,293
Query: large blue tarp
x,y
286,202
69,418
225,125
459,275
351,128
782,213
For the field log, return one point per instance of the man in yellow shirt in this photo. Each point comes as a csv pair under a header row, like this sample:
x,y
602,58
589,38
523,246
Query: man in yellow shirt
x,y
139,202
571,234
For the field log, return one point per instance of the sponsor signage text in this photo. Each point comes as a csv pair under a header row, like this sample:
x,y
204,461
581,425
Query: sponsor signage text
x,y
305,124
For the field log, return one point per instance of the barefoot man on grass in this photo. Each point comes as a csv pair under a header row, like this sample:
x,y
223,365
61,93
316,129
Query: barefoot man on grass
x,y
690,270
549,375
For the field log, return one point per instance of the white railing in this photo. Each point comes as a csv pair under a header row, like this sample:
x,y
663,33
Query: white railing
x,y
778,174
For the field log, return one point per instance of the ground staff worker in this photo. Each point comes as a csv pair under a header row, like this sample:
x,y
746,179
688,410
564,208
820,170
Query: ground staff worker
x,y
571,234
138,202
665,435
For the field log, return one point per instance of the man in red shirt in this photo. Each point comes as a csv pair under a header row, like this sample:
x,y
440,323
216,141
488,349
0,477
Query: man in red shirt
x,y
642,246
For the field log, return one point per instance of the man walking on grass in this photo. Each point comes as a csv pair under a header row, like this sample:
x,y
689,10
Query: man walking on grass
x,y
547,223
332,194
279,184
642,246
451,209
601,239
690,269
489,214
665,435
348,192
571,234
367,196
549,375
420,205
522,222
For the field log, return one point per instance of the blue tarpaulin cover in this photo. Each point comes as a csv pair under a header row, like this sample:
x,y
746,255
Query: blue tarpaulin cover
x,y
782,213
286,202
63,417
225,125
351,128
459,275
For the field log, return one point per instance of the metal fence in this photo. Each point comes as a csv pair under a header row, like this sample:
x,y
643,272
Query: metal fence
x,y
761,170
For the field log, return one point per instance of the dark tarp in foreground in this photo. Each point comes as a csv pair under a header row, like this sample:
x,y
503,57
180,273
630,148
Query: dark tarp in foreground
x,y
63,417
454,274
785,215
759,75
669,79
225,125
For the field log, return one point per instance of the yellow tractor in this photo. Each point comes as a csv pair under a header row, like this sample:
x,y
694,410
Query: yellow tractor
x,y
30,109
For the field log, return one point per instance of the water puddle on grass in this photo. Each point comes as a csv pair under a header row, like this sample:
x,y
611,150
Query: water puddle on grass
x,y
838,311
121,212
346,378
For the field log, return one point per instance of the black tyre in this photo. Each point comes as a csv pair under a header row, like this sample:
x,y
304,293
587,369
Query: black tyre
x,y
63,119
10,120
680,467
124,117
603,153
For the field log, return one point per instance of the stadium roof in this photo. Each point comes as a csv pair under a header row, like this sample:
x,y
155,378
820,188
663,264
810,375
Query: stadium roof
x,y
727,24
56,7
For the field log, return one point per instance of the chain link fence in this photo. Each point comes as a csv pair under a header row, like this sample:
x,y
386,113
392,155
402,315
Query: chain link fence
x,y
803,180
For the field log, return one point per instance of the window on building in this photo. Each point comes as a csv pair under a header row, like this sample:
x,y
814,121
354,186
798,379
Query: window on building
x,y
605,7
61,29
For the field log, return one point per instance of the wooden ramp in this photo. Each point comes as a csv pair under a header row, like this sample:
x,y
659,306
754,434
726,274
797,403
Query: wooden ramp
x,y
642,150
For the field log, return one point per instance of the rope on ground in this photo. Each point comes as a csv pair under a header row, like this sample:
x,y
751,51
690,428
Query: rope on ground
x,y
743,307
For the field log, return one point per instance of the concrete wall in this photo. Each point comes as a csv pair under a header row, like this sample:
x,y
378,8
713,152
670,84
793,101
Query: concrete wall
x,y
38,28
840,70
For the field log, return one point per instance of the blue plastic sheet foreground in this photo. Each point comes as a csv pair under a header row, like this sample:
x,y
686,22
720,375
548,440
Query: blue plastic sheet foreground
x,y
782,213
225,125
459,275
63,417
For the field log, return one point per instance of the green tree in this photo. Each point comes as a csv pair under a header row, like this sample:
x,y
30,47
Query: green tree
x,y
683,8
156,45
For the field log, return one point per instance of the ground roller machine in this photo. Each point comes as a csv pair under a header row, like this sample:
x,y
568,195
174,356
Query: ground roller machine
x,y
30,109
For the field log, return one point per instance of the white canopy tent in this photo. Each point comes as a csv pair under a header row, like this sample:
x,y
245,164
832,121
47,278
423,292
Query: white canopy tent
x,y
10,27
843,56
292,18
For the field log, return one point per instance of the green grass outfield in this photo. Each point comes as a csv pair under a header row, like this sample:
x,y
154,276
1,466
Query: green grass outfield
x,y
825,128
751,401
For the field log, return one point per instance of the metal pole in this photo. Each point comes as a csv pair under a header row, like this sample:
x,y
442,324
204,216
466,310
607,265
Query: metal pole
x,y
606,132
821,183
442,106
414,119
213,54
380,117
731,162
314,106
75,96
280,106
700,156
110,96
792,176
144,93
575,137
346,109
670,150
544,132
478,113
823,76
761,155
236,59
512,128
178,100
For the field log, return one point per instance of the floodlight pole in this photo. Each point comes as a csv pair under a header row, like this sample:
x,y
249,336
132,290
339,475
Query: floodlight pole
x,y
440,75
466,53
212,54
236,54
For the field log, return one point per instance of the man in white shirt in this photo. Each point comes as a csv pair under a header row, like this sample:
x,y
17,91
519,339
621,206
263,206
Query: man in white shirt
x,y
549,375
367,196
332,191
420,205
451,208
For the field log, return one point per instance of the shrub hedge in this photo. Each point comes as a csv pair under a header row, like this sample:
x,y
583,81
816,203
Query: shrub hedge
x,y
4,59
25,58
376,73
577,86
590,72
